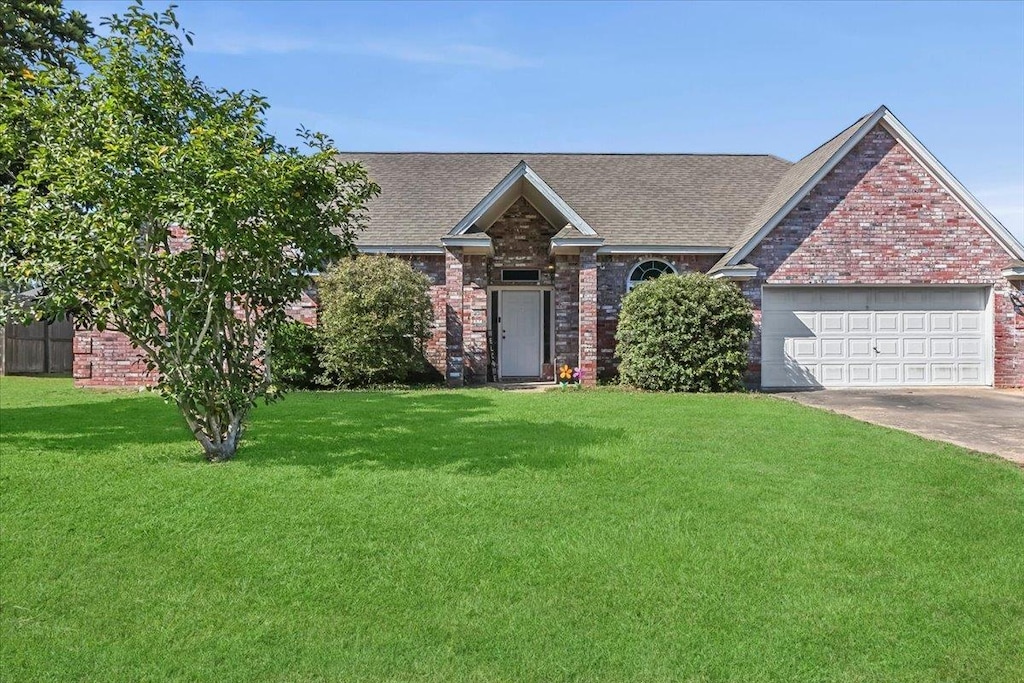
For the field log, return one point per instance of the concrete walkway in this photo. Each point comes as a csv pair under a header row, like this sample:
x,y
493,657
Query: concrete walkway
x,y
986,420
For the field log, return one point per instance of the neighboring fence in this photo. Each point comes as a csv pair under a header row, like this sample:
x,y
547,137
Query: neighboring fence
x,y
39,348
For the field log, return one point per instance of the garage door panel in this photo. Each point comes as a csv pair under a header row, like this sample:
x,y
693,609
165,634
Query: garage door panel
x,y
887,348
860,349
887,323
914,322
942,347
894,336
915,373
968,348
944,373
833,348
862,373
888,373
833,323
969,373
833,373
915,347
941,322
968,322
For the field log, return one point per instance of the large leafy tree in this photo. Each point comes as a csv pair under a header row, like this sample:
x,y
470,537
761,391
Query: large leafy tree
x,y
157,207
34,32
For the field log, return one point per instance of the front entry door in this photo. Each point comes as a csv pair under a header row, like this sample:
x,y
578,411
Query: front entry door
x,y
520,334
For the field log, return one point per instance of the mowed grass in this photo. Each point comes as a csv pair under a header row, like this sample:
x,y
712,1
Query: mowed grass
x,y
486,536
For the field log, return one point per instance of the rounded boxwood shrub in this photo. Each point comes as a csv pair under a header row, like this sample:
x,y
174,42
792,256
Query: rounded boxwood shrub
x,y
375,316
684,333
294,360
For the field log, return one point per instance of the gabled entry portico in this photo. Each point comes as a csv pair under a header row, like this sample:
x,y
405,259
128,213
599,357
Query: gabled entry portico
x,y
521,286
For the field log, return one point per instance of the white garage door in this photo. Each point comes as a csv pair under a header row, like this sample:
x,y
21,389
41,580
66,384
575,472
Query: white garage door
x,y
874,336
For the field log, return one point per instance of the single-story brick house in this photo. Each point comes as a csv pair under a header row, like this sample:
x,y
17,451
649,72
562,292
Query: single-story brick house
x,y
867,262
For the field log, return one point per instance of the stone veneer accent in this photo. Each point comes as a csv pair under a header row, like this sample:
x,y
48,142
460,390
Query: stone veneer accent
x,y
880,218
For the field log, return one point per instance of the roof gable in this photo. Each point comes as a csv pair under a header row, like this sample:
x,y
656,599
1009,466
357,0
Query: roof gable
x,y
798,182
521,181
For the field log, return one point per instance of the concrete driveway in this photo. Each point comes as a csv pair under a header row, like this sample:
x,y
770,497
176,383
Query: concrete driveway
x,y
987,420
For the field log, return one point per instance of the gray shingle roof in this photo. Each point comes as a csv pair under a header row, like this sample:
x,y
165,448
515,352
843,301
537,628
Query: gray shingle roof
x,y
791,181
638,199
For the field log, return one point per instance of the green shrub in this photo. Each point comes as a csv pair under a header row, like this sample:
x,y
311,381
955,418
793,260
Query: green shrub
x,y
684,333
375,316
293,360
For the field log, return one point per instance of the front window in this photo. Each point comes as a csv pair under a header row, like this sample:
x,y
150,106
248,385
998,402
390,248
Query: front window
x,y
648,270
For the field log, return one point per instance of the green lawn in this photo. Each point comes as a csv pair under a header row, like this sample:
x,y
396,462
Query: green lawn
x,y
487,536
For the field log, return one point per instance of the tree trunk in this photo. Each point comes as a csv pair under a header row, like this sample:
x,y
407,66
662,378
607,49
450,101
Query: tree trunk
x,y
218,438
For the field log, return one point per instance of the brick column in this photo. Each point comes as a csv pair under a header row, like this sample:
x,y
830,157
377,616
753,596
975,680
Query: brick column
x,y
453,316
474,319
588,315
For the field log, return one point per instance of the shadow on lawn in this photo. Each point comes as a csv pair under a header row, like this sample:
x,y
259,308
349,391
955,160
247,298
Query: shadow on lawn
x,y
462,432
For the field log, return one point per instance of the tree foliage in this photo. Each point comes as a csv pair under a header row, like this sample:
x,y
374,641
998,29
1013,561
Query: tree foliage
x,y
688,333
33,34
130,149
375,316
36,32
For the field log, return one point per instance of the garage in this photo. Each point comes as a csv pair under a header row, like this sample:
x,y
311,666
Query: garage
x,y
875,337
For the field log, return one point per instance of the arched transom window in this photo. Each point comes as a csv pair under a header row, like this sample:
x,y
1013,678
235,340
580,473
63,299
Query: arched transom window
x,y
648,270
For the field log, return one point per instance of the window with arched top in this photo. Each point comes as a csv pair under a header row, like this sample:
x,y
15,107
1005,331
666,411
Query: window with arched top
x,y
648,270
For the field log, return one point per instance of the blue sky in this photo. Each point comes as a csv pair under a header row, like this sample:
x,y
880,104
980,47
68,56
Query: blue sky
x,y
776,78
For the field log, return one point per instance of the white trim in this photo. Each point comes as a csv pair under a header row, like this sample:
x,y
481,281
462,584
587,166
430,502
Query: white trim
x,y
660,250
1013,272
400,249
463,241
921,154
741,272
521,171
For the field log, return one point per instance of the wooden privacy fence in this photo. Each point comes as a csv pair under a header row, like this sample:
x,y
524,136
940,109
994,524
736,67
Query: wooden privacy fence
x,y
39,348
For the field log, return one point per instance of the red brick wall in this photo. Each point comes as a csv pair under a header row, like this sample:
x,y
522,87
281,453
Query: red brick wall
x,y
567,310
880,218
108,359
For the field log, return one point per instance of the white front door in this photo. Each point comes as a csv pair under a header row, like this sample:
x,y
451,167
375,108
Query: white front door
x,y
874,336
519,330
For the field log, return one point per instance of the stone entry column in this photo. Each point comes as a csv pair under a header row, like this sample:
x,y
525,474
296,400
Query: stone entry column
x,y
588,315
453,316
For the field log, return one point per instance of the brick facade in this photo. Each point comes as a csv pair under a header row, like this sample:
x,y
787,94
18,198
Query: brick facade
x,y
880,218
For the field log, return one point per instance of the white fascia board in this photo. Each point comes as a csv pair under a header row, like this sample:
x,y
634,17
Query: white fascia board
x,y
574,218
745,271
400,249
1013,272
570,245
465,241
660,250
576,241
952,185
808,186
521,171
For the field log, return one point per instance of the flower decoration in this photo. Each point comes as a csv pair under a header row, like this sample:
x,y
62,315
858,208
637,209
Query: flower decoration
x,y
565,373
